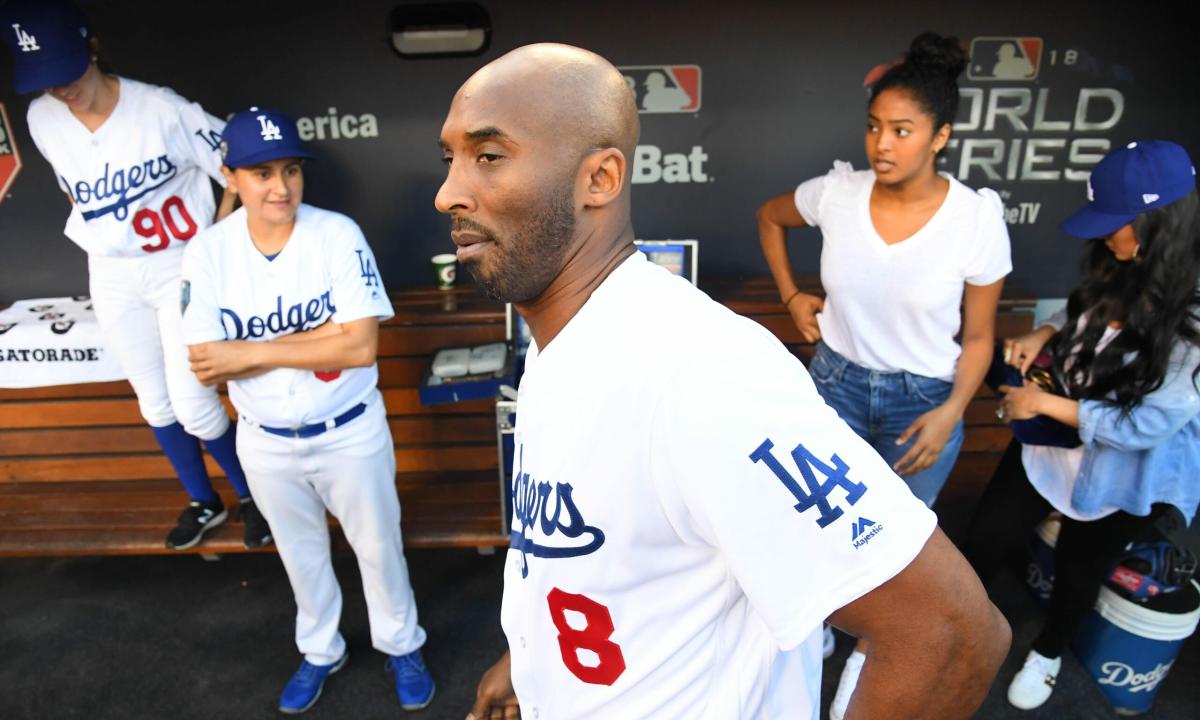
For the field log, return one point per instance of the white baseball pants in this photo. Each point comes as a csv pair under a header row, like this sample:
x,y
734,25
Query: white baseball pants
x,y
351,471
136,300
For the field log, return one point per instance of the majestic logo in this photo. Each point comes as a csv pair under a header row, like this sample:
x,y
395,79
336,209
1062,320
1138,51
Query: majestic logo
x,y
268,129
664,88
27,42
297,318
531,508
1005,58
818,492
1119,674
862,531
10,157
126,185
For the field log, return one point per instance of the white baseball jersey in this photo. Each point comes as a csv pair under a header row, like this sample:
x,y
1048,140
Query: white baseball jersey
x,y
139,183
231,291
685,506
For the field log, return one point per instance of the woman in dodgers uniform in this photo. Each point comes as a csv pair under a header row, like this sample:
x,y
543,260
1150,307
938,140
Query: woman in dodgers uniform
x,y
135,162
283,301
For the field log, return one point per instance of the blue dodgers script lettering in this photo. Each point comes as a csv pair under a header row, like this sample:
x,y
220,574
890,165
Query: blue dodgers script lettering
x,y
531,503
818,492
297,318
126,185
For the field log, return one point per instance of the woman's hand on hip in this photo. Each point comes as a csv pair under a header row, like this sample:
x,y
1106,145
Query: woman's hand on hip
x,y
804,309
933,430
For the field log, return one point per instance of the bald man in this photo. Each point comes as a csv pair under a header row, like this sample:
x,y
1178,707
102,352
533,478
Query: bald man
x,y
685,505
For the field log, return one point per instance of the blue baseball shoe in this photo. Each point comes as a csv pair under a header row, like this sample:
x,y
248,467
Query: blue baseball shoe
x,y
304,688
414,684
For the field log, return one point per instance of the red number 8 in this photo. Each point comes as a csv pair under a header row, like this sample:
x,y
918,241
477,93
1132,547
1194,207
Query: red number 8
x,y
595,637
149,224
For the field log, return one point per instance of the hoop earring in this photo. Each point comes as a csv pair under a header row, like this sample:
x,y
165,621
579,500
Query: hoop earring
x,y
1135,251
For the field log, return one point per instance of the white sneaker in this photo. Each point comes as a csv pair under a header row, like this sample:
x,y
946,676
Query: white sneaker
x,y
830,644
1034,683
846,685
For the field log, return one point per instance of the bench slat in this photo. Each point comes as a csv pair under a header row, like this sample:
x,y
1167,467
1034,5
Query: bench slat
x,y
413,430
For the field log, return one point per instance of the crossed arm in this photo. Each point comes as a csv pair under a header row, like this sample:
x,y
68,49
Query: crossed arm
x,y
331,346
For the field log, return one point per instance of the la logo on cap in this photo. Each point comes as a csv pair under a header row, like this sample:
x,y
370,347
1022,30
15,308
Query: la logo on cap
x,y
269,130
27,42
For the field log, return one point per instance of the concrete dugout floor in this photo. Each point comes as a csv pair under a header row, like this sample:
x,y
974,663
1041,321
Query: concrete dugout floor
x,y
176,637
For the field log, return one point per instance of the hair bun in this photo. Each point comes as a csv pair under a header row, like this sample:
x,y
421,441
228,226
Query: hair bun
x,y
932,50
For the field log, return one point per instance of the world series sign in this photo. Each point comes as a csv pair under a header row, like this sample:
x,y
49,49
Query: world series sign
x,y
10,158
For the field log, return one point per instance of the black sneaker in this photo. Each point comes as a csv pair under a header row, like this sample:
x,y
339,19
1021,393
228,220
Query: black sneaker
x,y
195,520
255,531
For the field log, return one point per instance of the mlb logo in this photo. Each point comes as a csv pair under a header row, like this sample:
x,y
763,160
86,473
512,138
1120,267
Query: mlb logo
x,y
664,88
10,158
1005,58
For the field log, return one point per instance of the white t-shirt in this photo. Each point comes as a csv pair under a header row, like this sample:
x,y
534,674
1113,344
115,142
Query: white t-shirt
x,y
139,183
662,447
898,307
231,291
1053,471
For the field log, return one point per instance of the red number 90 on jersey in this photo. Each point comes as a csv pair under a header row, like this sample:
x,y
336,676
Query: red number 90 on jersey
x,y
173,220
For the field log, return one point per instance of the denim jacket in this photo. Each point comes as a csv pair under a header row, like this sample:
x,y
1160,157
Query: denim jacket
x,y
1150,455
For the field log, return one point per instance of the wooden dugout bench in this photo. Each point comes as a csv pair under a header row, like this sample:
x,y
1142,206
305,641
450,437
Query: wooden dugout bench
x,y
81,474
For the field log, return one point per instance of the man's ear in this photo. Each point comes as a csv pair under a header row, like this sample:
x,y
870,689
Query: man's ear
x,y
603,177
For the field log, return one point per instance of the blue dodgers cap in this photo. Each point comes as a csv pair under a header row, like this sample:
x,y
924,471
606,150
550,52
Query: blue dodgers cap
x,y
255,136
49,43
1129,181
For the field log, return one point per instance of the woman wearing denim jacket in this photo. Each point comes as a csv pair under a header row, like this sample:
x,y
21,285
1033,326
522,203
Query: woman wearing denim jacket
x,y
1128,349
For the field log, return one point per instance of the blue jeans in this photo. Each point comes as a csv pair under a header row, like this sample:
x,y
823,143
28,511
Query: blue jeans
x,y
879,406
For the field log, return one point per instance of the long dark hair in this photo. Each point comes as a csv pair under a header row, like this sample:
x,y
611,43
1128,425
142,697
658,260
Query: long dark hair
x,y
930,72
1154,297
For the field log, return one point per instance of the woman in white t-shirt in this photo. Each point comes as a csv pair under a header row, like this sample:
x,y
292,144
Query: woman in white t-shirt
x,y
910,257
